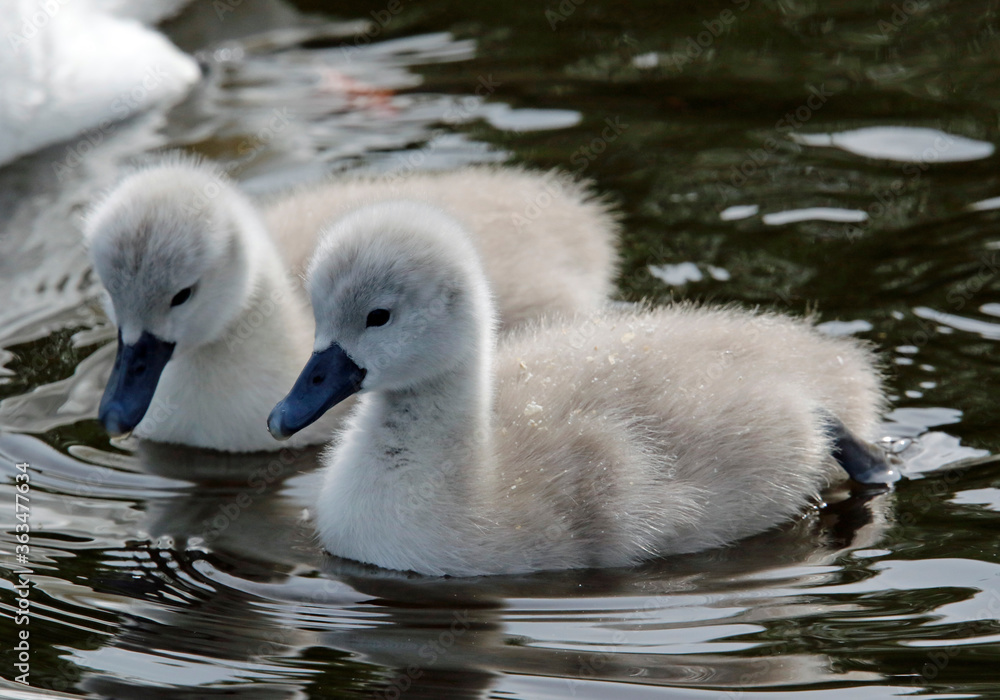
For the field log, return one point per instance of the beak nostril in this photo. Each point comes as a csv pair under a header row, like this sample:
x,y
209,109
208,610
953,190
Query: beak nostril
x,y
329,377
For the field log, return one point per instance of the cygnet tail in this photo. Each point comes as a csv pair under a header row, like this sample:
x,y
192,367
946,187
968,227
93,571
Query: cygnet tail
x,y
864,462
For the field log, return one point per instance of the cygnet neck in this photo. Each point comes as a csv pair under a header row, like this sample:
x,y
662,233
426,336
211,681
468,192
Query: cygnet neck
x,y
272,311
226,386
440,425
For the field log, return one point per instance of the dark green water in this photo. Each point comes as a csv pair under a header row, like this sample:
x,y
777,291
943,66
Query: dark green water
x,y
804,156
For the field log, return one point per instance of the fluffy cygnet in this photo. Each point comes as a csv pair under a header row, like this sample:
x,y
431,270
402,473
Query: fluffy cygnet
x,y
546,243
213,328
596,441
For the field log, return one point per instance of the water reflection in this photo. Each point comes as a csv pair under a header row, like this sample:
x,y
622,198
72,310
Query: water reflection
x,y
210,569
220,578
234,568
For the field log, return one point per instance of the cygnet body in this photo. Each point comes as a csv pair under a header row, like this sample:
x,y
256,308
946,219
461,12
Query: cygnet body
x,y
593,441
213,327
547,245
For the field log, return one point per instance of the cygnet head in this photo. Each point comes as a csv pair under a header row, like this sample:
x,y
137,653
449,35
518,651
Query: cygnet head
x,y
169,245
400,300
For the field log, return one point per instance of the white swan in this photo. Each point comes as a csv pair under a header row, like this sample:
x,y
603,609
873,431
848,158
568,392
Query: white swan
x,y
589,443
212,329
69,67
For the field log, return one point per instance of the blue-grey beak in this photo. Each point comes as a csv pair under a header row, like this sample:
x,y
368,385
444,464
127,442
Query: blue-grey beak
x,y
133,382
328,378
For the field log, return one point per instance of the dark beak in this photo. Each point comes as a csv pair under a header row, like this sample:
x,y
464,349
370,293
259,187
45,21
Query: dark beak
x,y
133,382
328,378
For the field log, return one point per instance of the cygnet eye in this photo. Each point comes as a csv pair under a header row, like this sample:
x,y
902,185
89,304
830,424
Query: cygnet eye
x,y
378,317
181,296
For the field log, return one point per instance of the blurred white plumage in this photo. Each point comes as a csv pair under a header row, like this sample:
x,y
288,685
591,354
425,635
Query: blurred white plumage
x,y
67,68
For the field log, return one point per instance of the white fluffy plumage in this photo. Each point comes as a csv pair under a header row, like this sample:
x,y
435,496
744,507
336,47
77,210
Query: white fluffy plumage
x,y
593,441
243,334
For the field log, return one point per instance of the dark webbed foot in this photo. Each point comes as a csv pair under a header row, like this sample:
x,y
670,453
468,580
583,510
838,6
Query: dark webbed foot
x,y
864,462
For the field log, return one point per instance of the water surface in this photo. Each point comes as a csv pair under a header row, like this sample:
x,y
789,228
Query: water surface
x,y
781,154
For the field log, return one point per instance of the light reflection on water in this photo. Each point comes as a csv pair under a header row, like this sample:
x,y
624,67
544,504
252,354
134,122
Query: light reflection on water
x,y
166,572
